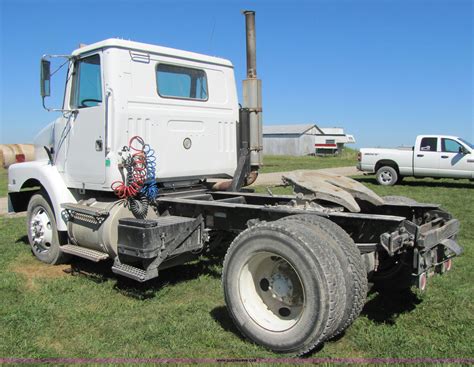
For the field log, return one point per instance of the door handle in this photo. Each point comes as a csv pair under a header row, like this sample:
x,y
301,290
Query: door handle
x,y
99,145
444,156
420,155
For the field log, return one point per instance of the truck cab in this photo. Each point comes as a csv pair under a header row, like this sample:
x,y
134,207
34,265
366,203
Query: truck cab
x,y
443,156
183,104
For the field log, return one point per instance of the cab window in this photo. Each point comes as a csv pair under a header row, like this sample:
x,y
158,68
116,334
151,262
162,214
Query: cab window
x,y
180,82
429,144
451,146
87,84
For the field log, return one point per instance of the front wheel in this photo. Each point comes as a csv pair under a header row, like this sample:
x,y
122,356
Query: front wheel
x,y
42,231
278,287
387,176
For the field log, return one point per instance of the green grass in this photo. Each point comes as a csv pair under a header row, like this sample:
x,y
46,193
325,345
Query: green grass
x,y
3,182
89,312
281,163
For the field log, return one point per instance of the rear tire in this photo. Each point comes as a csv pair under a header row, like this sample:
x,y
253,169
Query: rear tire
x,y
387,176
279,287
42,231
352,264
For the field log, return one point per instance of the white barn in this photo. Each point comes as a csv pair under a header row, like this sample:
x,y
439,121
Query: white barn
x,y
303,139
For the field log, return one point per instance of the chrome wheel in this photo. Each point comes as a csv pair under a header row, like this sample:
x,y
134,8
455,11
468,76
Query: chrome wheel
x,y
386,176
271,292
41,230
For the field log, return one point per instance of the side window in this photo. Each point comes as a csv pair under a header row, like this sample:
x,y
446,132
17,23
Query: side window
x,y
450,146
87,89
429,144
180,82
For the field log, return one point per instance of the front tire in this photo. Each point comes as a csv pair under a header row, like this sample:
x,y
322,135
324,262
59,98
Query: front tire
x,y
387,176
42,231
279,287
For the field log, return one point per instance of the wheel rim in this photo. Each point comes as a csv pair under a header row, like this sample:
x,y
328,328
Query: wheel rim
x,y
386,176
41,230
271,292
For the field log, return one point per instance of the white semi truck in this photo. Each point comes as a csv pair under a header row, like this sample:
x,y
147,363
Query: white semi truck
x,y
431,156
123,176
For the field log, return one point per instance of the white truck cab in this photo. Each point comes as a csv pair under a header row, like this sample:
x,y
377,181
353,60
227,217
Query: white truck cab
x,y
183,104
432,156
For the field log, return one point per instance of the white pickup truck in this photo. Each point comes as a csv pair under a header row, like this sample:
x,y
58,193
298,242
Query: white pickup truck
x,y
432,156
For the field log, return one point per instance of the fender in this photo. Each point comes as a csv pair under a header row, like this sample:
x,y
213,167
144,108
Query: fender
x,y
49,178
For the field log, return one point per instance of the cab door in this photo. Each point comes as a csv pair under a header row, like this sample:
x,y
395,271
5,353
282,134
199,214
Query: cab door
x,y
85,161
426,157
454,161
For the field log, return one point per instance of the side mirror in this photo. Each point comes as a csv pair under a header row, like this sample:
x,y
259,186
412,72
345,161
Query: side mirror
x,y
45,78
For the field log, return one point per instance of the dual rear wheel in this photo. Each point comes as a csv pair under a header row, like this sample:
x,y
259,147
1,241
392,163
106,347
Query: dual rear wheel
x,y
292,284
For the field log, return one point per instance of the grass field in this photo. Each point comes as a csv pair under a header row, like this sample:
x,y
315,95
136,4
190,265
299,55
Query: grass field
x,y
82,310
278,163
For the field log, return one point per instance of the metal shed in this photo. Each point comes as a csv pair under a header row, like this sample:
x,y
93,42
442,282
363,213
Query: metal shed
x,y
304,139
293,140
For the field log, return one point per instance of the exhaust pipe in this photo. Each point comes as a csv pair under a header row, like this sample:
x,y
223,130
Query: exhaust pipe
x,y
251,140
252,94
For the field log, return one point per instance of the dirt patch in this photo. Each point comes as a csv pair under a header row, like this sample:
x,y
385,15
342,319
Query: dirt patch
x,y
35,271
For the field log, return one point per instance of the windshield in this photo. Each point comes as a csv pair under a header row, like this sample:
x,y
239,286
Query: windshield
x,y
467,143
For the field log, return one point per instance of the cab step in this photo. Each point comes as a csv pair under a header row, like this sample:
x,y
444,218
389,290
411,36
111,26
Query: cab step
x,y
84,252
86,213
85,209
134,273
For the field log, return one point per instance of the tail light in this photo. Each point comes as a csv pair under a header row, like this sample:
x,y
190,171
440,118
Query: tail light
x,y
422,278
449,264
359,156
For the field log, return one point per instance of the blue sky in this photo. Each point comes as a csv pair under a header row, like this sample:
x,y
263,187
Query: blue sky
x,y
383,70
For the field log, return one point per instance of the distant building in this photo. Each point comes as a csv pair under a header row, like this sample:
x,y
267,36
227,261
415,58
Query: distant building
x,y
289,139
303,139
332,140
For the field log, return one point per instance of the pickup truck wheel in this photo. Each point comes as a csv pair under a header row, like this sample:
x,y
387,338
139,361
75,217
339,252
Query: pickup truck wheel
x,y
42,231
352,264
387,176
279,287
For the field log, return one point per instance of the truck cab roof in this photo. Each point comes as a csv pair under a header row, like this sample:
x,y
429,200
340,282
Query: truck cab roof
x,y
149,48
